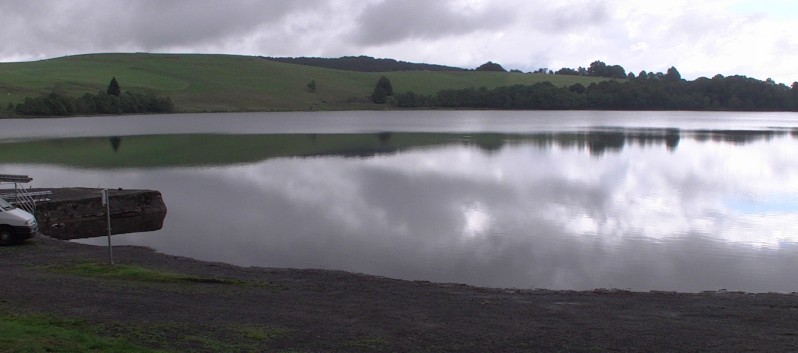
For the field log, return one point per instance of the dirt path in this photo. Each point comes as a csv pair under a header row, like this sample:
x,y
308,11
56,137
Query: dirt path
x,y
285,310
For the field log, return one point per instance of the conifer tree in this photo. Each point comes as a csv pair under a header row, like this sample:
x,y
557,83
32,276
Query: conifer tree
x,y
113,88
382,90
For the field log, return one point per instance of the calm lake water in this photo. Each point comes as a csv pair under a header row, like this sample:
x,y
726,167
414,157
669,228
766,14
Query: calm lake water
x,y
563,200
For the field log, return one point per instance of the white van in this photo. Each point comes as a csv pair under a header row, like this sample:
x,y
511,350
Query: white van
x,y
16,224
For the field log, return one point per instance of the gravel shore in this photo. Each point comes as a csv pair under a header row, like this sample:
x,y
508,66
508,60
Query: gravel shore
x,y
330,311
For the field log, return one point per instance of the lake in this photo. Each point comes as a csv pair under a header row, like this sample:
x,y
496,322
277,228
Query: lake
x,y
684,201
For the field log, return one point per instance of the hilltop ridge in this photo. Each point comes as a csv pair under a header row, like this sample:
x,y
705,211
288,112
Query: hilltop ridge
x,y
364,64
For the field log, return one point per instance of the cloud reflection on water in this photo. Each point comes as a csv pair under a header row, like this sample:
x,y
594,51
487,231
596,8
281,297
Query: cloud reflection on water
x,y
521,213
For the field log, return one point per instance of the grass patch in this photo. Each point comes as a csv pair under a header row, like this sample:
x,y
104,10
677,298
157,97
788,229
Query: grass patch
x,y
41,333
138,273
232,338
19,333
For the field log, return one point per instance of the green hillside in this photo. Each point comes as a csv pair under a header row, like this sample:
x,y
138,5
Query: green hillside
x,y
200,82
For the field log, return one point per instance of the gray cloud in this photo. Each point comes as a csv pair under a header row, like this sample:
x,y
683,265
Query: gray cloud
x,y
125,25
571,17
180,23
394,21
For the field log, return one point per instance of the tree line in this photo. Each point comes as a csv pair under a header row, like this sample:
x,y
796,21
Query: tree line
x,y
646,91
596,69
112,101
364,64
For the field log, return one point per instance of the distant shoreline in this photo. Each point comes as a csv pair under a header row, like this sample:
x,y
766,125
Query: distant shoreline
x,y
231,83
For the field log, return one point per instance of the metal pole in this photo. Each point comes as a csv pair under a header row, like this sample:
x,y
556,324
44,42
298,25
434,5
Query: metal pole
x,y
107,203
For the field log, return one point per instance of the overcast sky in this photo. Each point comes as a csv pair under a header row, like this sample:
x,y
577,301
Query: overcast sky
x,y
756,38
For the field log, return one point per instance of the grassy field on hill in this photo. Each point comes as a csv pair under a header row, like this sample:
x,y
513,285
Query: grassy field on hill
x,y
201,82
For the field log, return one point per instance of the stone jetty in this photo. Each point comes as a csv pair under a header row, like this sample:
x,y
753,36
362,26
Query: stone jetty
x,y
72,213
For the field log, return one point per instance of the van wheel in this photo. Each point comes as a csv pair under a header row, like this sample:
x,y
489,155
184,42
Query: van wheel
x,y
6,237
